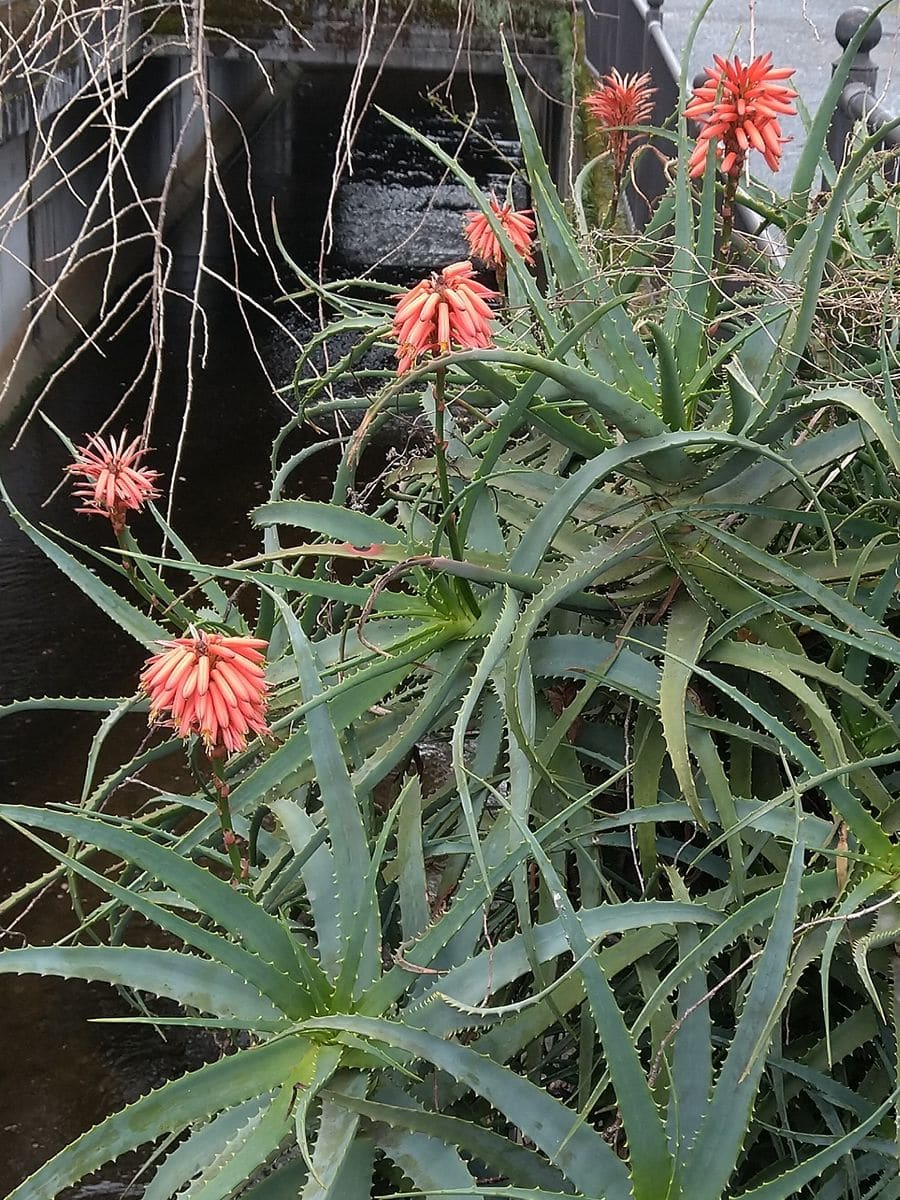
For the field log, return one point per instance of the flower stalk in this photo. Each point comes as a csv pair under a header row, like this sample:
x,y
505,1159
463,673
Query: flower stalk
x,y
440,456
111,480
210,685
729,196
484,244
739,107
231,841
617,103
449,308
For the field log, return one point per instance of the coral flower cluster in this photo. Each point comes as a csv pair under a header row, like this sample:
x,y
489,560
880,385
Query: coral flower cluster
x,y
483,242
739,106
210,685
112,480
617,102
447,309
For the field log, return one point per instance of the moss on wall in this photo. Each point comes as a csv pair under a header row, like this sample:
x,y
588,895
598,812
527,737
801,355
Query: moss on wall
x,y
530,17
257,20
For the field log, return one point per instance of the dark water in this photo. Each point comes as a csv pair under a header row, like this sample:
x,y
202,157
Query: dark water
x,y
60,1073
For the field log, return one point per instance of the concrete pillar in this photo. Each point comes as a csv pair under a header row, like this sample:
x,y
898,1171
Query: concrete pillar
x,y
15,249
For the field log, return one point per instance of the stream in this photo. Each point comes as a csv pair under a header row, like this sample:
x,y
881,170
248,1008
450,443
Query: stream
x,y
62,1073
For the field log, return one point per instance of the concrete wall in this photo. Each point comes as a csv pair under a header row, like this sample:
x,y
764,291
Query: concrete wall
x,y
57,224
15,279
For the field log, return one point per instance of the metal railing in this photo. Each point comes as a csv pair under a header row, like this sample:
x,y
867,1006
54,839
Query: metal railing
x,y
859,100
628,35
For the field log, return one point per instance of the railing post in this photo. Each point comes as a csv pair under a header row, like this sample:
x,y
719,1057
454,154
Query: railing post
x,y
654,17
862,70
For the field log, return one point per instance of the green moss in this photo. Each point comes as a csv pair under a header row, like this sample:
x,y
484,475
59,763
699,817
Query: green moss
x,y
564,36
258,20
241,18
533,18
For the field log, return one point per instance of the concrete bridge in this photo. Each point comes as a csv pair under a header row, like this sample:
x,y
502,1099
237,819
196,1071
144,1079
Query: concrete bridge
x,y
113,118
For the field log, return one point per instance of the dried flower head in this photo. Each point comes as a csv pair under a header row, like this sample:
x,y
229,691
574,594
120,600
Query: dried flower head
x,y
739,106
619,101
210,685
518,227
447,309
113,482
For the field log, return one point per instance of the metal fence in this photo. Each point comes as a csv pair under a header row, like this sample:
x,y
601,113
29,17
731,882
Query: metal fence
x,y
628,35
859,101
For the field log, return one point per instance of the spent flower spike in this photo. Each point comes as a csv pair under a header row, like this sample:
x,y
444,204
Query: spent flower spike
x,y
210,685
447,309
113,482
739,106
483,242
616,102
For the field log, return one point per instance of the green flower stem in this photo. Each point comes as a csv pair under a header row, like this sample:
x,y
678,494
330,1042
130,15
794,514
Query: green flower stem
x,y
728,203
229,837
613,210
440,454
144,589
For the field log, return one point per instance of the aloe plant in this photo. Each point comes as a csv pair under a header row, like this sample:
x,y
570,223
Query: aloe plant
x,y
581,962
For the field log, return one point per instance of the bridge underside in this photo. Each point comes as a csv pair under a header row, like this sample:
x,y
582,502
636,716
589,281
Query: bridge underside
x,y
56,205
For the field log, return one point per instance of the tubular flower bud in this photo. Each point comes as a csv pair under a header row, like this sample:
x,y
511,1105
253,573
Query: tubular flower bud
x,y
616,103
739,107
518,227
113,482
209,685
448,309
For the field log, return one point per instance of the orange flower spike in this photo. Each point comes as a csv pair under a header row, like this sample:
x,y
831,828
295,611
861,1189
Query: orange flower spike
x,y
483,242
447,310
739,106
619,101
209,685
112,480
